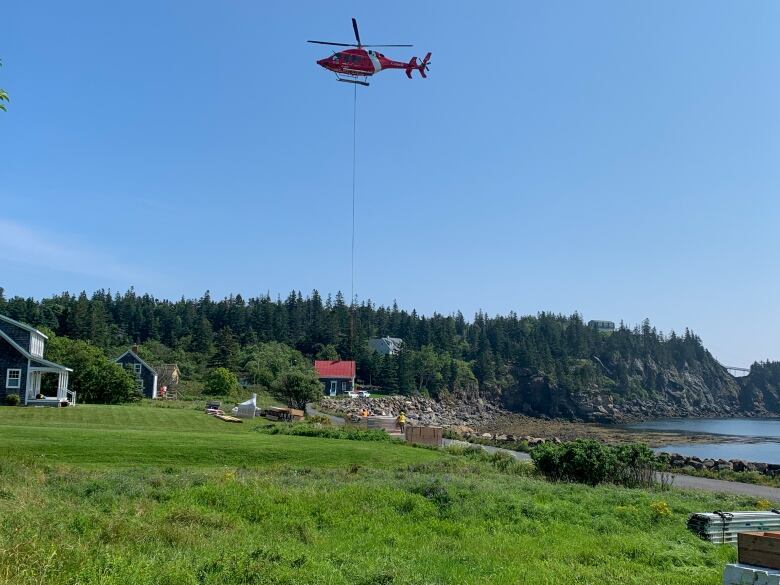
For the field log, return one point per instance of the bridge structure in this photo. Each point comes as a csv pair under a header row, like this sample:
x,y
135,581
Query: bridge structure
x,y
736,370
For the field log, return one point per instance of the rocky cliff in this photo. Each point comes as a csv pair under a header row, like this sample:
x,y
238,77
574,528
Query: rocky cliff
x,y
641,389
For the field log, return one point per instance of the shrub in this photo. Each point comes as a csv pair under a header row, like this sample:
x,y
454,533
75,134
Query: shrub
x,y
297,387
220,382
319,419
591,462
12,400
660,510
327,432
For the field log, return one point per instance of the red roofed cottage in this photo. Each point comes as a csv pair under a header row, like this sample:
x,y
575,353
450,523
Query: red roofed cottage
x,y
337,377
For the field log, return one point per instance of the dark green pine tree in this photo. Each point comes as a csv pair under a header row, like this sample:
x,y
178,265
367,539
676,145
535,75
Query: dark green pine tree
x,y
388,375
225,350
202,336
405,373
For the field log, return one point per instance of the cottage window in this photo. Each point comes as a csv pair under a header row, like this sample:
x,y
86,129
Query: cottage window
x,y
36,345
13,378
137,368
343,386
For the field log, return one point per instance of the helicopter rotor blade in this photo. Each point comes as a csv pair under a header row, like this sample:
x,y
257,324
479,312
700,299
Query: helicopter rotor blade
x,y
334,44
357,34
386,45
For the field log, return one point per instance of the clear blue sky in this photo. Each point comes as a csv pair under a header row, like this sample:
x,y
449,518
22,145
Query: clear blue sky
x,y
620,159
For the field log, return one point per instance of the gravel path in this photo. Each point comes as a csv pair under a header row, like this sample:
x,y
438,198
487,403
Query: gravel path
x,y
728,487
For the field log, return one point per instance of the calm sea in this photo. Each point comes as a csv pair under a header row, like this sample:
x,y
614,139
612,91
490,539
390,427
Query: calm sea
x,y
753,439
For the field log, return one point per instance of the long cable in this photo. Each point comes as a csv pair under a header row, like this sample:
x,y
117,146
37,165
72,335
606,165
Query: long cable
x,y
354,160
354,166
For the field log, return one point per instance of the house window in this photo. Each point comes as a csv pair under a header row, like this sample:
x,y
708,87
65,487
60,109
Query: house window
x,y
13,378
333,387
343,386
137,369
36,345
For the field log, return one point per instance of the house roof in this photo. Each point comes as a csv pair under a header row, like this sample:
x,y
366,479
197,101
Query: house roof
x,y
22,325
335,369
29,356
136,356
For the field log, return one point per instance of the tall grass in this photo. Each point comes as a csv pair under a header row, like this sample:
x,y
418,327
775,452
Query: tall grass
x,y
124,495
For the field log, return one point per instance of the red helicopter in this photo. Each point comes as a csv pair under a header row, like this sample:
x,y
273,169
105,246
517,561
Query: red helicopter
x,y
360,62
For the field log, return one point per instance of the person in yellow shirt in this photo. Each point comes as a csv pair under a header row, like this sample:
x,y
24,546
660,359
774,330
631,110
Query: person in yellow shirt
x,y
401,421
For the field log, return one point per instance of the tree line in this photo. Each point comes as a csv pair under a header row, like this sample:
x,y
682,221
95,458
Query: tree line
x,y
442,353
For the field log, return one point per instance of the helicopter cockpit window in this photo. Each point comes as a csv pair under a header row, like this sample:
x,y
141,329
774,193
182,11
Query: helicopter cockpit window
x,y
335,57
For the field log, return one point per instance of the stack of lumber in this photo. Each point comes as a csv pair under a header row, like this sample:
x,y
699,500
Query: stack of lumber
x,y
283,413
759,560
723,527
228,418
425,435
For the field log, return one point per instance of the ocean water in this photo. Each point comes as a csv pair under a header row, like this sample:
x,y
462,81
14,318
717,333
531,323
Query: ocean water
x,y
753,439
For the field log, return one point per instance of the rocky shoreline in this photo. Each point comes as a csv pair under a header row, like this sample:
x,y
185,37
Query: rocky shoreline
x,y
483,420
685,463
461,417
477,417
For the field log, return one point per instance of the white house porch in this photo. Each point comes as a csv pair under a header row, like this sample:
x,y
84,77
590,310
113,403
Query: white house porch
x,y
63,396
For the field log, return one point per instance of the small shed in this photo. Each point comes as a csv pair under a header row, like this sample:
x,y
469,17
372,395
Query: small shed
x,y
337,376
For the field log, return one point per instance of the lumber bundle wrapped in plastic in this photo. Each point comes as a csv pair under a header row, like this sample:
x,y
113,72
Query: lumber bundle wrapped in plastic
x,y
722,527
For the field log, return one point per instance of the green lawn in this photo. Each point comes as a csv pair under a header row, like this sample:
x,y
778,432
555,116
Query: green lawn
x,y
123,436
156,496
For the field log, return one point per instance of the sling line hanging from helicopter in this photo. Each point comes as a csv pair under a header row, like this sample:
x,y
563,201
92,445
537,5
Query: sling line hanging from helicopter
x,y
352,267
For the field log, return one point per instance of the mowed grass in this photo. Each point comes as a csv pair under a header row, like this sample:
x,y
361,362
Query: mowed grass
x,y
168,496
123,436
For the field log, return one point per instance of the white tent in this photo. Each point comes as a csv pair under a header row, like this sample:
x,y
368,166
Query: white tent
x,y
246,409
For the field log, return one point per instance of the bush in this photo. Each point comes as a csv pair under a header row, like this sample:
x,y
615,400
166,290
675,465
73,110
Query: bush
x,y
327,432
220,382
660,510
591,462
297,387
12,400
319,419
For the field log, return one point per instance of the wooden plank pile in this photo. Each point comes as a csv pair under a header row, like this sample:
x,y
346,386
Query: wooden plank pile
x,y
723,527
424,435
284,414
759,560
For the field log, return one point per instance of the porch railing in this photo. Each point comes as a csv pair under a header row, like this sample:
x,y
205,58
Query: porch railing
x,y
71,395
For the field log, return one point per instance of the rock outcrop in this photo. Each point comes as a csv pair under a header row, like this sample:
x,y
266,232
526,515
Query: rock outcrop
x,y
647,391
677,461
461,415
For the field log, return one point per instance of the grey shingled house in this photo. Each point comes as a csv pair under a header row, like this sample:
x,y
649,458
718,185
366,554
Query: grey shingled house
x,y
23,368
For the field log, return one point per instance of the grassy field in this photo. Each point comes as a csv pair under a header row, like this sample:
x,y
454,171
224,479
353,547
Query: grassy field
x,y
133,495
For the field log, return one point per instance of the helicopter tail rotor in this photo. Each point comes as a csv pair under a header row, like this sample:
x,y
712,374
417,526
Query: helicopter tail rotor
x,y
422,67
